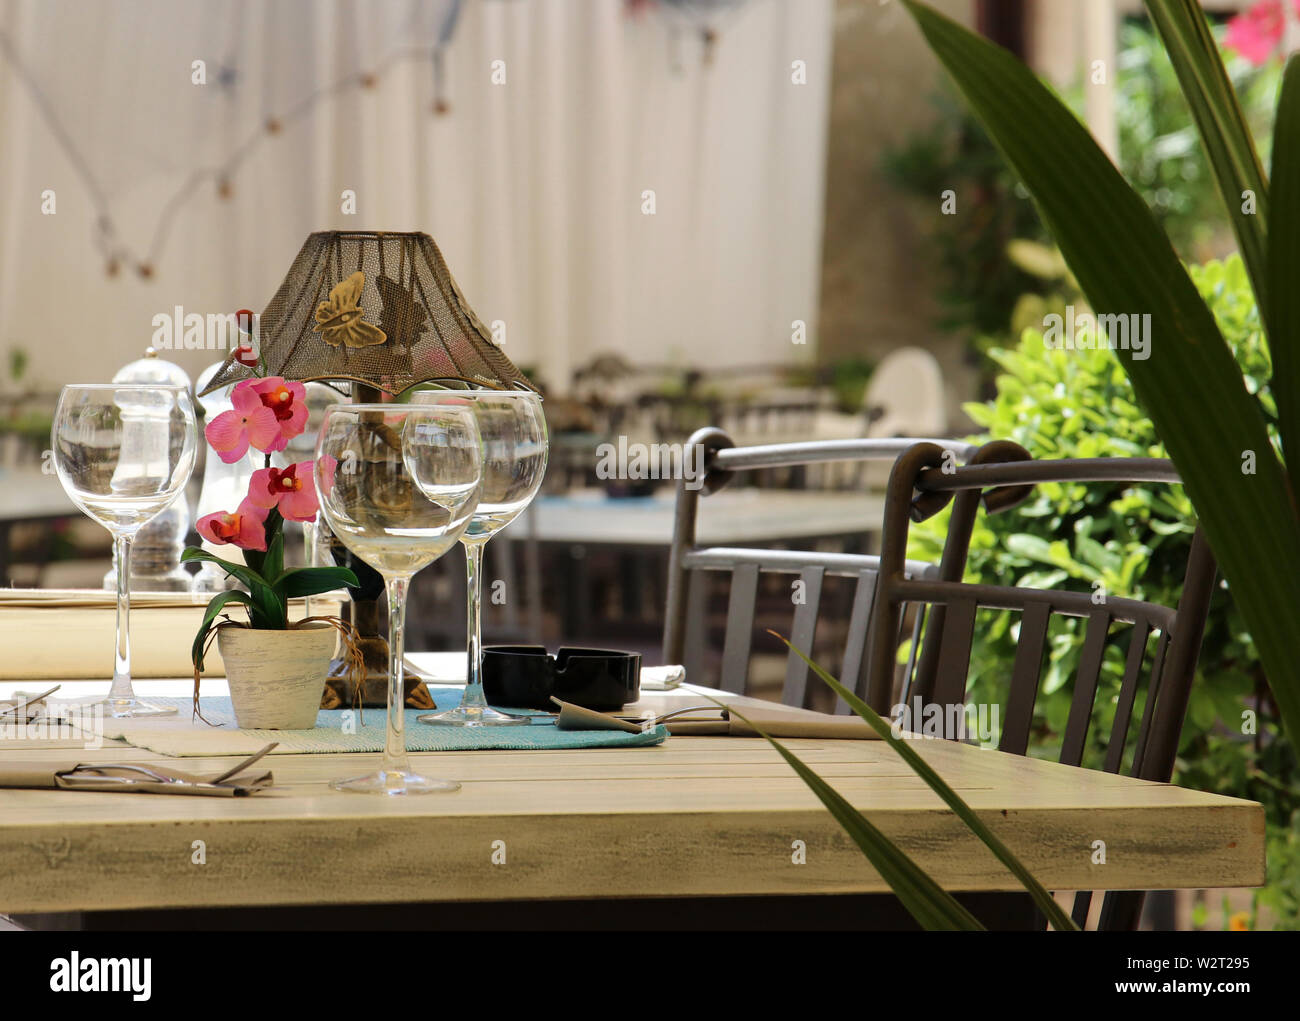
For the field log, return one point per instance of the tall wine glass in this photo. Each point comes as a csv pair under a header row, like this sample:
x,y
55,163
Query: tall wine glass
x,y
123,452
368,458
513,428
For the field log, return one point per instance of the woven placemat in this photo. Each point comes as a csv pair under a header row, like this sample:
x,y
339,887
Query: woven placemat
x,y
347,730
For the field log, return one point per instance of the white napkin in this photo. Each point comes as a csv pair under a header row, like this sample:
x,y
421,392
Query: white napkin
x,y
661,678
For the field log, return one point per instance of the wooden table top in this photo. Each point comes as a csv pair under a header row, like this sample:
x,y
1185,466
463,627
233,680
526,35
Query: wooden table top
x,y
697,816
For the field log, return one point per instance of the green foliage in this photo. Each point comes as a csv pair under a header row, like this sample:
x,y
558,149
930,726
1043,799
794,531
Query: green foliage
x,y
1132,540
1193,391
1282,894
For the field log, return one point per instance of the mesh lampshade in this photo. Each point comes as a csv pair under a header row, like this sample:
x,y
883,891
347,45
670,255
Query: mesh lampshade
x,y
379,308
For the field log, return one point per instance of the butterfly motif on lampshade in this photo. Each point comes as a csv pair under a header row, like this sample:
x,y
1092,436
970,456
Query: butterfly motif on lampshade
x,y
341,319
402,318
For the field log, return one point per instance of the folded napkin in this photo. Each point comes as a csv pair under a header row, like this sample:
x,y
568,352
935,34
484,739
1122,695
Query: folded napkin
x,y
661,678
778,721
126,777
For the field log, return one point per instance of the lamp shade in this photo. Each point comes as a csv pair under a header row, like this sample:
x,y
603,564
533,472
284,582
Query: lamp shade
x,y
378,308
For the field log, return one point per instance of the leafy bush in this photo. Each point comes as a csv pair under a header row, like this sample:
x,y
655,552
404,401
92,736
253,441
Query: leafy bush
x,y
1133,540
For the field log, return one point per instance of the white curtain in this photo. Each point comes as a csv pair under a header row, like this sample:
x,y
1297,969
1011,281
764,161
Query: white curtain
x,y
532,188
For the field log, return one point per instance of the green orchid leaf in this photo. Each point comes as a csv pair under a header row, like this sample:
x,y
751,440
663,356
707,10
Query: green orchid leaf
x,y
215,605
310,581
267,609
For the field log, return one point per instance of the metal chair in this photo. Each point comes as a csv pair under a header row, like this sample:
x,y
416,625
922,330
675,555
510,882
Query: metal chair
x,y
685,620
919,486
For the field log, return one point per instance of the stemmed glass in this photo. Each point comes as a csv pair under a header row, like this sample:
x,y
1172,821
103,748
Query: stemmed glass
x,y
513,428
398,484
123,452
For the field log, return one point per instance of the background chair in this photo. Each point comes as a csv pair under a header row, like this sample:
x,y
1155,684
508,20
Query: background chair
x,y
691,568
905,396
919,486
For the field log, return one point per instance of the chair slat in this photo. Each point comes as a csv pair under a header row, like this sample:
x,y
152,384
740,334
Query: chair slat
x,y
1149,710
1082,903
853,677
909,671
1127,694
1085,687
954,652
1121,910
740,628
804,632
1025,678
697,624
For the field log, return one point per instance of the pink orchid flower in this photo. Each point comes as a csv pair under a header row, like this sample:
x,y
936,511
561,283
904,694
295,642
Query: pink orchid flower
x,y
287,401
249,422
1257,33
292,490
245,528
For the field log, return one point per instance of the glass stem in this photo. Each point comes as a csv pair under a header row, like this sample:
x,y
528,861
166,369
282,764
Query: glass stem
x,y
395,759
473,697
121,689
308,556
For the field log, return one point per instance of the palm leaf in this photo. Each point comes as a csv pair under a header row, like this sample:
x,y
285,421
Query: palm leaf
x,y
1284,264
1222,126
1045,901
929,903
1190,385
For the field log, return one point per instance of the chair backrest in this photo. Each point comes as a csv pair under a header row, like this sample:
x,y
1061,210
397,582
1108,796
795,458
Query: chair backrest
x,y
905,395
920,484
685,628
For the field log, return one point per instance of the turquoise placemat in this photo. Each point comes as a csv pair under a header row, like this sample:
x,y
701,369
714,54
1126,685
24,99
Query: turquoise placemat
x,y
343,730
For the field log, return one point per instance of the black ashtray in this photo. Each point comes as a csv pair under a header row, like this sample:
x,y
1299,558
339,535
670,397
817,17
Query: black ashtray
x,y
526,676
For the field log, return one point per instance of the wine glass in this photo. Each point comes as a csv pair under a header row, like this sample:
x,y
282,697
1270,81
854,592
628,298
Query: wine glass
x,y
368,460
513,428
123,452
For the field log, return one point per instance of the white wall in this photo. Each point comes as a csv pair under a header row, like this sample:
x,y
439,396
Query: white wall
x,y
532,188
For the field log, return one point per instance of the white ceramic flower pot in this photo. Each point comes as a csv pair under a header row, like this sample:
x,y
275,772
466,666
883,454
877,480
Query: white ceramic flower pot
x,y
276,677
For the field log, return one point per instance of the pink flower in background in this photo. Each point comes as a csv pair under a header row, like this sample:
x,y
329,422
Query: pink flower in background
x,y
292,490
287,401
1257,33
250,422
245,528
327,465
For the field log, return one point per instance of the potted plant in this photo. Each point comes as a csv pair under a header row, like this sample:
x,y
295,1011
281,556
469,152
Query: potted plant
x,y
276,669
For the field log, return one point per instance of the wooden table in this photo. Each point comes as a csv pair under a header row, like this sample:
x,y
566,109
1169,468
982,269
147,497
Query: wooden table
x,y
697,817
640,529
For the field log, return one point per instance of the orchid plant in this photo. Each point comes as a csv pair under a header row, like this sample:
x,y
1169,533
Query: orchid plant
x,y
267,412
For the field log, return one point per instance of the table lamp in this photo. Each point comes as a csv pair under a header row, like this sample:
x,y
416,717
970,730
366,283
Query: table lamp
x,y
378,310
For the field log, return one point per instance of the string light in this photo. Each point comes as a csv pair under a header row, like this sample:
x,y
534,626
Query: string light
x,y
105,236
